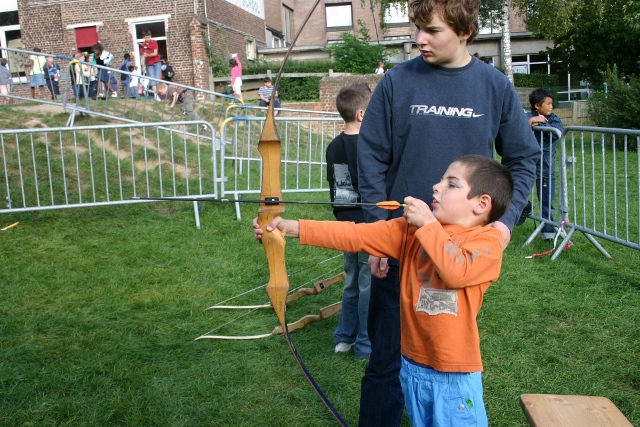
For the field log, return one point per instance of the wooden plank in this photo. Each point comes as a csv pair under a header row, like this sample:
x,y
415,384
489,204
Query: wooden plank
x,y
553,410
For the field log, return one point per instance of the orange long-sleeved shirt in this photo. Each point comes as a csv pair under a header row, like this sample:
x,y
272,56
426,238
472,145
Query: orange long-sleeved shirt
x,y
445,271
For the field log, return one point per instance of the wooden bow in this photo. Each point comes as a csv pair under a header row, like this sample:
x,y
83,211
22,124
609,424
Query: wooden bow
x,y
273,241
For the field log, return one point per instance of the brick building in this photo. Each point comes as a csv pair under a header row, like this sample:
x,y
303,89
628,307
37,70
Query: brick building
x,y
252,28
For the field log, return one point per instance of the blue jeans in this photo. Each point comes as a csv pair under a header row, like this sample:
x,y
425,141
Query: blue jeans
x,y
381,399
546,181
352,326
442,399
154,71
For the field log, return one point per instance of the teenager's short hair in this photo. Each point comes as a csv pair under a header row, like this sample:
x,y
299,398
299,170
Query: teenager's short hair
x,y
233,62
146,32
352,98
538,95
486,176
127,56
461,15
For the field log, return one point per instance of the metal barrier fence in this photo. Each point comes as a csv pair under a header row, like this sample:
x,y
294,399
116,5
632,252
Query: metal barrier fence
x,y
599,187
63,167
304,143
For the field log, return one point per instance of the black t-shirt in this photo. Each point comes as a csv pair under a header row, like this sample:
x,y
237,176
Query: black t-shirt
x,y
342,174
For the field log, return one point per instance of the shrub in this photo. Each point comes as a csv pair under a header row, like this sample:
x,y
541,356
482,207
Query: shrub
x,y
355,54
299,88
618,105
535,80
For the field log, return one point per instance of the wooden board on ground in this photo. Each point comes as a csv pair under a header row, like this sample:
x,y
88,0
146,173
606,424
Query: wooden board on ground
x,y
553,410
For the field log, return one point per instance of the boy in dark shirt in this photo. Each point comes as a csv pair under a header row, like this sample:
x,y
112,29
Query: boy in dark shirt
x,y
541,101
342,174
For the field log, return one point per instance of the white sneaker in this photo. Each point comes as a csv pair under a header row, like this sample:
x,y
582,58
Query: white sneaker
x,y
114,94
343,347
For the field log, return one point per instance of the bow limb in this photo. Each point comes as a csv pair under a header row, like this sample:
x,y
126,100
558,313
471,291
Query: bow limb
x,y
317,287
324,314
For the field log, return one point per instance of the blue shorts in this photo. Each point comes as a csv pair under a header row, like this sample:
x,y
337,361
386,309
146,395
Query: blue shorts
x,y
36,80
436,398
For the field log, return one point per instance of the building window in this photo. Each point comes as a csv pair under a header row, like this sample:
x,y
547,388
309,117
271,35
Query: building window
x,y
157,25
287,21
528,64
339,15
251,49
493,25
398,13
85,38
10,37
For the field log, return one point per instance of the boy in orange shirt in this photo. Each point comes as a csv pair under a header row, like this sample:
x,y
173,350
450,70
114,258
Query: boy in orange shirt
x,y
449,257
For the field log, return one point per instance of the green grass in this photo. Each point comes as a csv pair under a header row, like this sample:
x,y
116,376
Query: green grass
x,y
101,307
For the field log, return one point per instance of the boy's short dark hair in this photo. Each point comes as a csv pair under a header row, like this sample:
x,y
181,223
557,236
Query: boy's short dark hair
x,y
266,79
127,56
352,98
538,95
146,32
131,68
233,62
461,15
486,176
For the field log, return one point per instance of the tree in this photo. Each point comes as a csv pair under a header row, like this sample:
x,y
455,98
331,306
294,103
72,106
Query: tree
x,y
589,36
356,54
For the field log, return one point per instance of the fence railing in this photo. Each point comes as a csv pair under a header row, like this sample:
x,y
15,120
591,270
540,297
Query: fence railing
x,y
304,143
62,167
599,186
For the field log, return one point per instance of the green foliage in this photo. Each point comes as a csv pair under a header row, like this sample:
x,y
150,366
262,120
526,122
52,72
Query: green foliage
x,y
300,88
589,35
535,80
217,49
355,54
619,106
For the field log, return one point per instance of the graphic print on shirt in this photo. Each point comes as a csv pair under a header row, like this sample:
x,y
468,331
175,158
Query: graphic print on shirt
x,y
433,110
430,300
344,192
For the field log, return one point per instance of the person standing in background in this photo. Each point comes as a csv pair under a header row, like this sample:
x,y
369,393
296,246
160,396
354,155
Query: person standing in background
x,y
5,79
125,78
151,58
236,75
36,74
342,174
380,69
52,77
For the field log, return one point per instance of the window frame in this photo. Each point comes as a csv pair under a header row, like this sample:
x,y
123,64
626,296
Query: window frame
x,y
330,6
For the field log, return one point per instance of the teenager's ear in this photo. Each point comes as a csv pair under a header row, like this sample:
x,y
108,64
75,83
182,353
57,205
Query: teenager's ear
x,y
483,206
360,115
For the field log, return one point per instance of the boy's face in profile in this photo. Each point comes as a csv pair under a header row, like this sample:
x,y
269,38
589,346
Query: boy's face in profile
x,y
450,204
267,84
439,44
546,107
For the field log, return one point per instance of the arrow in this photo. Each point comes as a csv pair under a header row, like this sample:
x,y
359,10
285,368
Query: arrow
x,y
389,205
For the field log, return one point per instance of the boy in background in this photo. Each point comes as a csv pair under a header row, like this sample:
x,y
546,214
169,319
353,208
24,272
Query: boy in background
x,y
342,174
266,94
181,96
541,114
449,258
